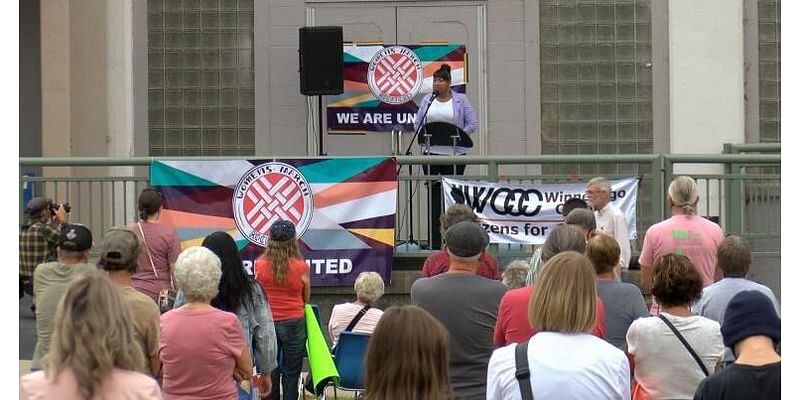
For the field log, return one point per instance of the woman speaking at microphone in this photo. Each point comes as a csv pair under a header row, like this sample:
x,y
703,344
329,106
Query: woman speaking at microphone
x,y
452,108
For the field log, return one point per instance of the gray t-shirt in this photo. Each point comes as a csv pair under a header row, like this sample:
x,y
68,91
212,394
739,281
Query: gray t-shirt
x,y
623,304
716,297
467,306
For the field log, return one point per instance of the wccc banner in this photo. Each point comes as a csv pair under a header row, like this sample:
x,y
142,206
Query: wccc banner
x,y
525,214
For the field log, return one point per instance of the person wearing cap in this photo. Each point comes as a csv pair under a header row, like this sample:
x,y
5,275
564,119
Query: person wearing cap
x,y
119,254
284,276
50,281
733,259
752,328
37,240
466,304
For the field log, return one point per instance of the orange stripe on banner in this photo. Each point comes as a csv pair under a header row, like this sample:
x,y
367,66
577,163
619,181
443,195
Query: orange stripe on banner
x,y
353,86
191,220
350,191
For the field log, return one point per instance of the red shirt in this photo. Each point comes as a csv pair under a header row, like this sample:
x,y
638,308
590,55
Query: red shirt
x,y
439,262
512,318
285,299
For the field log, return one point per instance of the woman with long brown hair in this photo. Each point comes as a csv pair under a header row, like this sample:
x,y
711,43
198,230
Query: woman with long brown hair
x,y
94,353
284,276
407,357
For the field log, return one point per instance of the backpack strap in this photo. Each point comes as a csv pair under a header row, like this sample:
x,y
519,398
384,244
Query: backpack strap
x,y
357,318
523,372
685,343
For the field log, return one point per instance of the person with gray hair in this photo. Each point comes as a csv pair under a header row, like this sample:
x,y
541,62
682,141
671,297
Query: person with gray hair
x,y
514,274
583,219
360,314
201,347
683,233
609,219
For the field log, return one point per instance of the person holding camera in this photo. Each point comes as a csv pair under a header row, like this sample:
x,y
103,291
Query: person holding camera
x,y
38,238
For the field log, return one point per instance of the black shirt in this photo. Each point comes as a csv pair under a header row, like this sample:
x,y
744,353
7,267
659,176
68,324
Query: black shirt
x,y
744,382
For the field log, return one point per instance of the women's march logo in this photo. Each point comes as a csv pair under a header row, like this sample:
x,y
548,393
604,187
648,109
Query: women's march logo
x,y
270,192
395,75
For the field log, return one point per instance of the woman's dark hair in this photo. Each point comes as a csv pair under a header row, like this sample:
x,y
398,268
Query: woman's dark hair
x,y
443,72
676,281
149,203
234,286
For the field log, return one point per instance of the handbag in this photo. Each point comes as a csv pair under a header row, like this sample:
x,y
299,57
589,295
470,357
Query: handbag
x,y
166,297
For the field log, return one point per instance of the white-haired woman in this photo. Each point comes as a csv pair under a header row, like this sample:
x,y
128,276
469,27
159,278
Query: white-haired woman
x,y
369,288
94,353
684,233
201,347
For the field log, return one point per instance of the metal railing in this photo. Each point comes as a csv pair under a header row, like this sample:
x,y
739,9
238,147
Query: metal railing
x,y
736,187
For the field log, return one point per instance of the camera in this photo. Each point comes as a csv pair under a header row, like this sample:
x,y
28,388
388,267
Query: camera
x,y
54,207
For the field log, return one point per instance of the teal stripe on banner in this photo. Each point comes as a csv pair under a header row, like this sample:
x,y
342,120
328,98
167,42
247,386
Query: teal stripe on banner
x,y
164,175
434,53
351,59
338,170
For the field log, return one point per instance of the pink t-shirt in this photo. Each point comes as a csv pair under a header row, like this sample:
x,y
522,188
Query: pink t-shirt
x,y
694,237
121,384
198,350
342,314
164,246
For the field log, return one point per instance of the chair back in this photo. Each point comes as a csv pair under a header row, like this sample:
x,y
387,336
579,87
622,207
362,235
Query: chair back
x,y
351,350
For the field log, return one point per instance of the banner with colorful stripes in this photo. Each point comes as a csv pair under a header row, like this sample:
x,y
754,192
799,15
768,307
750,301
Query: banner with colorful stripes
x,y
343,208
383,85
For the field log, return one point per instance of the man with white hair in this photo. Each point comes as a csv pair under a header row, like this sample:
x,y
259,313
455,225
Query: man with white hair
x,y
609,219
466,304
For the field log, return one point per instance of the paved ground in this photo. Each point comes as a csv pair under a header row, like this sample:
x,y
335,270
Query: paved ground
x,y
27,329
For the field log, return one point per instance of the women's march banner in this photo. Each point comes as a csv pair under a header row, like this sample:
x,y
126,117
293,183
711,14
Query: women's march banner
x,y
383,85
525,214
344,209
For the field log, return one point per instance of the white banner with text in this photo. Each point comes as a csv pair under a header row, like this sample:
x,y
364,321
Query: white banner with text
x,y
525,214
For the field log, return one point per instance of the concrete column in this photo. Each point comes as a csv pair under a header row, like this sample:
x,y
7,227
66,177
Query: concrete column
x,y
706,55
55,56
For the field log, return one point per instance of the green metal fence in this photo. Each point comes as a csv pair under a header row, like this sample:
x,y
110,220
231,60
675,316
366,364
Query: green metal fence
x,y
740,188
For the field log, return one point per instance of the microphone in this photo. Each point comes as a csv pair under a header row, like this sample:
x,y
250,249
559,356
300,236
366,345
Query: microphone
x,y
434,94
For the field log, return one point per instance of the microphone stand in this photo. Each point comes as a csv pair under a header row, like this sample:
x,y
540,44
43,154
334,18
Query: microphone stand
x,y
411,240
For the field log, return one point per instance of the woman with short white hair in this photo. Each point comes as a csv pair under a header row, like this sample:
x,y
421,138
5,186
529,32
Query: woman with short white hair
x,y
369,288
201,347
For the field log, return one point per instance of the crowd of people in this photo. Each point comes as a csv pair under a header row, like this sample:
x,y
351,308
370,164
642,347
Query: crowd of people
x,y
152,321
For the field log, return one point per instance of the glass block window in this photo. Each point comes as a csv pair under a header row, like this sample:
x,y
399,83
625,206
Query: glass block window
x,y
201,91
596,84
769,70
596,88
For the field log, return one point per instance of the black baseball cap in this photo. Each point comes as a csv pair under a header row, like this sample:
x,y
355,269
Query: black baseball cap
x,y
75,237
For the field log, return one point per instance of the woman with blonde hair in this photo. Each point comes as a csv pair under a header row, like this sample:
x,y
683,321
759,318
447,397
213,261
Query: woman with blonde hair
x,y
284,276
684,233
407,357
93,352
676,350
565,361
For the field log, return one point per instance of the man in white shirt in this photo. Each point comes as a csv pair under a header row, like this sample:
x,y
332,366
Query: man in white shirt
x,y
609,219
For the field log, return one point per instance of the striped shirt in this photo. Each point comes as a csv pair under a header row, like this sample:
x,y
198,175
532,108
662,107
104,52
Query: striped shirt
x,y
342,314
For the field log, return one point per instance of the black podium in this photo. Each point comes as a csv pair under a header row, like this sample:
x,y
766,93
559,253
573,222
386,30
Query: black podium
x,y
441,134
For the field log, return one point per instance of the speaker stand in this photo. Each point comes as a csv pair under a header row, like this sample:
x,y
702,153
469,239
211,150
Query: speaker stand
x,y
320,152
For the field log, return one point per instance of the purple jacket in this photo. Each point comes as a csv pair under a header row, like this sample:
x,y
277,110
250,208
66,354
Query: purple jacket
x,y
463,114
